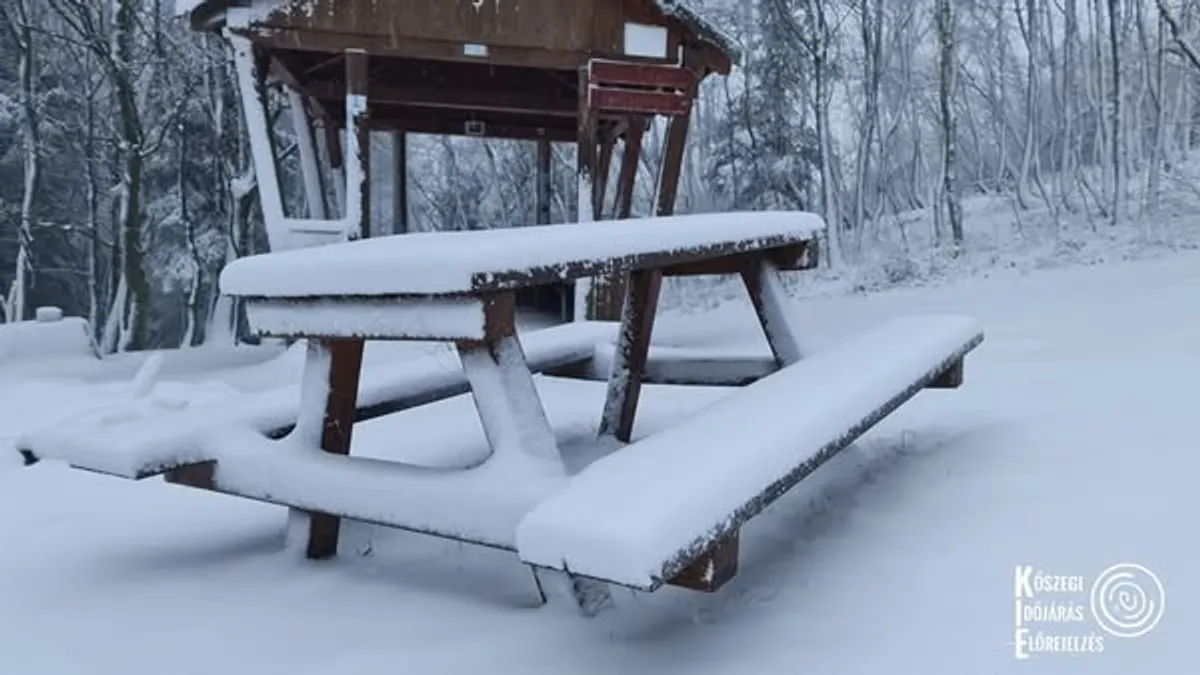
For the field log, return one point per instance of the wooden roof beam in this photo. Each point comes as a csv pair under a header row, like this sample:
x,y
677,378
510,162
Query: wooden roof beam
x,y
518,102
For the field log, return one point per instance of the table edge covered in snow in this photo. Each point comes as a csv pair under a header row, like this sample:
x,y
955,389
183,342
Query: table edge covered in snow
x,y
466,262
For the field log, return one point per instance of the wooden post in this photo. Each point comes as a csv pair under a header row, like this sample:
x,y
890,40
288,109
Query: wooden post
x,y
641,303
337,161
251,74
627,178
603,165
356,93
633,347
587,164
672,166
310,168
771,303
340,362
544,181
399,182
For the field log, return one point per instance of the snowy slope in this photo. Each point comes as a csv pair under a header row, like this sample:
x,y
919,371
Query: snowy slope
x,y
1071,448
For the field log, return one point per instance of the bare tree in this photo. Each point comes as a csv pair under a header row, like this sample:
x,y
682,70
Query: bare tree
x,y
17,19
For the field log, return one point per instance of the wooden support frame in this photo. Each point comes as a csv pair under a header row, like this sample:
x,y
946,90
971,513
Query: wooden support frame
x,y
771,304
632,349
502,385
310,165
545,182
283,232
400,183
952,378
358,131
339,364
627,177
503,390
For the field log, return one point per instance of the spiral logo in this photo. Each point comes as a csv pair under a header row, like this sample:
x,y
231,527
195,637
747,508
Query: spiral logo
x,y
1127,600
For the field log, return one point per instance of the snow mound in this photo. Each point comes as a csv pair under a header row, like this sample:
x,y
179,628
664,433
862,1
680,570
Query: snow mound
x,y
54,338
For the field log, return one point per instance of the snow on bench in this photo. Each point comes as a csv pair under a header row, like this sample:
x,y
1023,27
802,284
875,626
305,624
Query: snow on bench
x,y
642,514
144,438
442,263
50,336
479,506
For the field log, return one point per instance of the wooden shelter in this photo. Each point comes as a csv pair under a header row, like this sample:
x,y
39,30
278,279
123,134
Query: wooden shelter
x,y
591,72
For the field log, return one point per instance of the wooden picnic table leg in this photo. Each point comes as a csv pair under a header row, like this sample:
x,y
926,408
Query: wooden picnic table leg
x,y
332,369
642,292
510,409
771,303
512,414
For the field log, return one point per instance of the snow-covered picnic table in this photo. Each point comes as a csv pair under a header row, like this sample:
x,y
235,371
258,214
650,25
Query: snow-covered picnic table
x,y
664,509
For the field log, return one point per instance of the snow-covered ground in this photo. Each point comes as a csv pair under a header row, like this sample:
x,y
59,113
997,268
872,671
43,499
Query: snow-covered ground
x,y
1070,448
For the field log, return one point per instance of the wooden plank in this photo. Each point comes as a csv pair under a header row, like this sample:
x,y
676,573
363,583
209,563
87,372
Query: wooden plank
x,y
616,73
639,102
344,359
717,567
367,318
614,545
503,390
798,257
414,123
502,385
952,378
413,48
633,345
545,181
399,183
772,306
677,367
627,178
455,98
357,63
205,477
436,263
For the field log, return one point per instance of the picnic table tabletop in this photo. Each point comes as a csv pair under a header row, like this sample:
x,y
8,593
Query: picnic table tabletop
x,y
437,263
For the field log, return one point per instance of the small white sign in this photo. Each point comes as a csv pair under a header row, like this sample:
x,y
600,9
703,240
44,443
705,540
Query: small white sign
x,y
475,50
645,40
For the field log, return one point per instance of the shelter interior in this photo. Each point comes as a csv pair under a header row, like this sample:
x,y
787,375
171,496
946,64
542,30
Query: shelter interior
x,y
589,72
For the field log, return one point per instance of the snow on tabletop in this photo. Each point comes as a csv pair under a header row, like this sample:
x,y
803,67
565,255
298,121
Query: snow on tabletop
x,y
171,424
451,262
629,513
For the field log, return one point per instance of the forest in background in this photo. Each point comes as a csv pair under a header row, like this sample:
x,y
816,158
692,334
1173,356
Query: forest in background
x,y
125,181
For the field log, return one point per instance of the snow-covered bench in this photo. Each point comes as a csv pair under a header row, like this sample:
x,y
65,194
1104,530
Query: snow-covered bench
x,y
141,439
647,514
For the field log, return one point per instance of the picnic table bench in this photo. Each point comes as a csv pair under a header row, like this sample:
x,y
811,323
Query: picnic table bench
x,y
665,509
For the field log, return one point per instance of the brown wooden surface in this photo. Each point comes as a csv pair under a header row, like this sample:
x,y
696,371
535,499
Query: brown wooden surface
x,y
759,277
627,178
537,26
639,102
712,570
345,366
633,346
615,73
793,258
952,378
